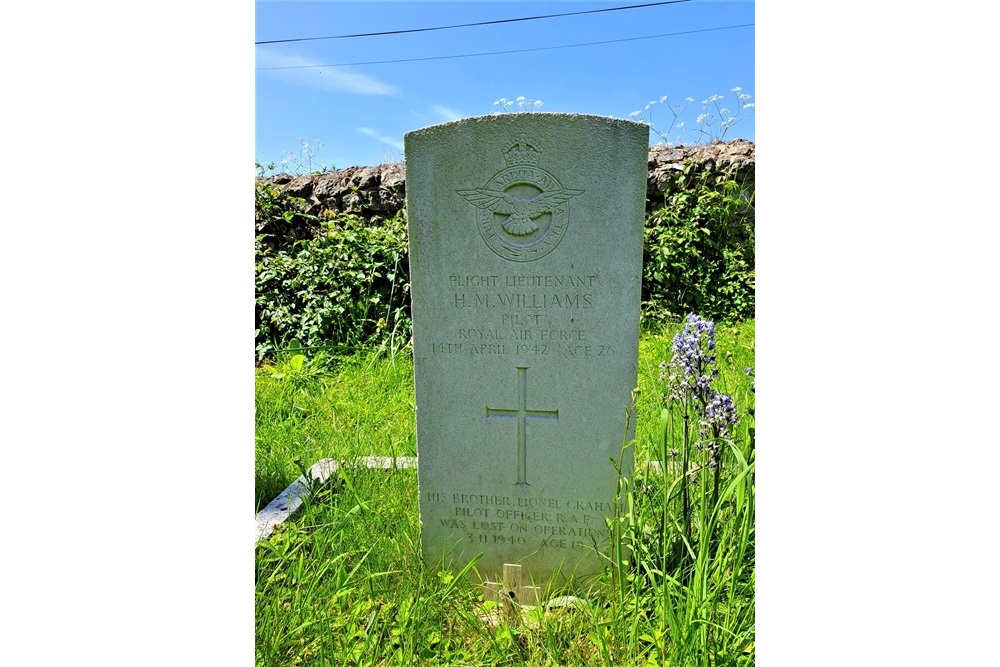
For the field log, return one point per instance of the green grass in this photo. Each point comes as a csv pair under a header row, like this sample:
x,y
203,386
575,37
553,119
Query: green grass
x,y
363,407
343,583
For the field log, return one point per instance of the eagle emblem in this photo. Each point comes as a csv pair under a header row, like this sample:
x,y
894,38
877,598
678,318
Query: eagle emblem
x,y
523,210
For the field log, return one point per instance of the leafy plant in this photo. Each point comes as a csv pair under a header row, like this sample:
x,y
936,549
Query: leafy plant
x,y
699,250
280,219
346,287
298,367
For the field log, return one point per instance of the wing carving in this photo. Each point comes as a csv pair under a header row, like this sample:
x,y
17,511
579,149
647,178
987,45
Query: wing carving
x,y
522,212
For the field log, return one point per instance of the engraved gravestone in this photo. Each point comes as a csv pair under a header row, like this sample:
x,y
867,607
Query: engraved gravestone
x,y
525,236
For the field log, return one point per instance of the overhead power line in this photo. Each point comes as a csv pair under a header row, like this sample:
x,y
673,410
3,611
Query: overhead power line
x,y
468,25
498,53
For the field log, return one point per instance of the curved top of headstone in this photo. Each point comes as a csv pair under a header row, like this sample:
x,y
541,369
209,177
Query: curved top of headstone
x,y
540,117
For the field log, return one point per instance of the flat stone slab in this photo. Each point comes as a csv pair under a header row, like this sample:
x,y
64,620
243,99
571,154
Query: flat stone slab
x,y
289,500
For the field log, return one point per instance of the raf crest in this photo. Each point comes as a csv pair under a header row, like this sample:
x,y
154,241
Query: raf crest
x,y
523,210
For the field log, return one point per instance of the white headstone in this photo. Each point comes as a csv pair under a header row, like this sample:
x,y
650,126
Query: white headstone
x,y
525,236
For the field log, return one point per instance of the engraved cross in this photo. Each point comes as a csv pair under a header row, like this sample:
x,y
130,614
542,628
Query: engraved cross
x,y
522,414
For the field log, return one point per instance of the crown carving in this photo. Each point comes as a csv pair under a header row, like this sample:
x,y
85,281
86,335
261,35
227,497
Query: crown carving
x,y
522,153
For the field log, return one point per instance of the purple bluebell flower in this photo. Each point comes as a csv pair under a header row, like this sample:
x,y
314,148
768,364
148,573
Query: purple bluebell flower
x,y
694,357
721,411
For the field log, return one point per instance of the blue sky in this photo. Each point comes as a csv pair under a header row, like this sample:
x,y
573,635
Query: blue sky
x,y
349,114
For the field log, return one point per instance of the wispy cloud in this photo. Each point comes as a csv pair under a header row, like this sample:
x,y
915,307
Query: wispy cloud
x,y
446,113
396,143
335,79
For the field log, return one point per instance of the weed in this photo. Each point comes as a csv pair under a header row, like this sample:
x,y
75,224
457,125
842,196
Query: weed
x,y
712,124
503,105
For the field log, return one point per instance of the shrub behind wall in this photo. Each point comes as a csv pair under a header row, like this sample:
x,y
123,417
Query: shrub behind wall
x,y
348,286
698,253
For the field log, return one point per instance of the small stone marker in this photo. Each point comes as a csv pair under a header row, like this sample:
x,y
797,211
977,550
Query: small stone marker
x,y
525,236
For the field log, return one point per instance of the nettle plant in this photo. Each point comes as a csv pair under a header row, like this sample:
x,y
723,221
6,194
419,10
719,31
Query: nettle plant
x,y
716,118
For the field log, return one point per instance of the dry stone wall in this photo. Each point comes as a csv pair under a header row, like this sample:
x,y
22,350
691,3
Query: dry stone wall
x,y
372,192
